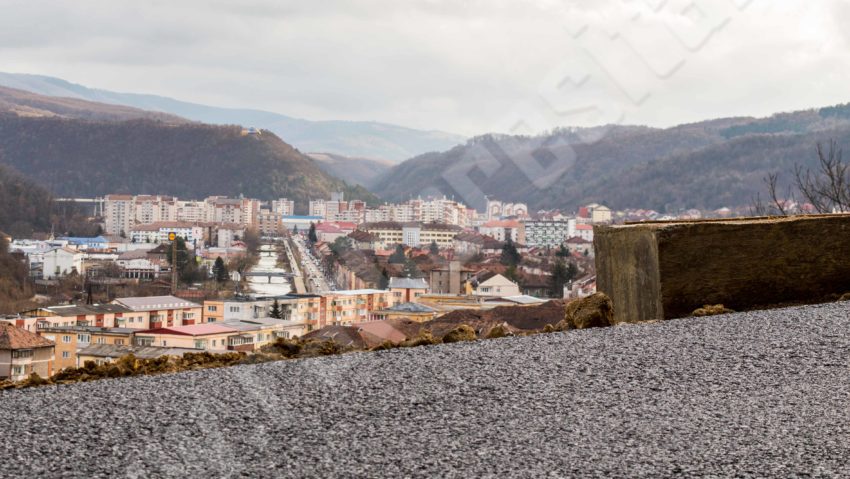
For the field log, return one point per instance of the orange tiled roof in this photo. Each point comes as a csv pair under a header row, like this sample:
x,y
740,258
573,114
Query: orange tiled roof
x,y
13,337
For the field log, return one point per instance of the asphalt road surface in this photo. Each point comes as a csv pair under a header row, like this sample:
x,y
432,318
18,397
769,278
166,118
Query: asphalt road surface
x,y
753,395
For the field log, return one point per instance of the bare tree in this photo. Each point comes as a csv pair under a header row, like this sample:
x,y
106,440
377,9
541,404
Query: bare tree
x,y
777,206
828,187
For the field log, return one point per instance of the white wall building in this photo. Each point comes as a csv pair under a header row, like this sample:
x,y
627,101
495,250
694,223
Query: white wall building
x,y
60,262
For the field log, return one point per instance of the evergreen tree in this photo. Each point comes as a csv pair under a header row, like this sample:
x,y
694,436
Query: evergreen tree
x,y
398,256
560,277
275,312
510,255
511,274
311,235
384,280
433,248
572,271
411,270
220,272
187,268
563,252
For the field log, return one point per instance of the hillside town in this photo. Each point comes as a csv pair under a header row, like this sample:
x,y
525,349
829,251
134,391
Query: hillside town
x,y
249,272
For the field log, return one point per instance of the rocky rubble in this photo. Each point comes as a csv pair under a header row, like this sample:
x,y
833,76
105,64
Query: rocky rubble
x,y
757,394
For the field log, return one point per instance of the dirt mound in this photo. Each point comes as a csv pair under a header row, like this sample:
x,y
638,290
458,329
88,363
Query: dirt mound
x,y
594,311
460,333
520,318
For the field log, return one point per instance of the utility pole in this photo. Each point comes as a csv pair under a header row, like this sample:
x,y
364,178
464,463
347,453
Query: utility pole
x,y
173,238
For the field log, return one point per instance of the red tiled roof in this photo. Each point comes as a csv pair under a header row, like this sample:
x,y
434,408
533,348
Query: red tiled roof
x,y
501,224
13,337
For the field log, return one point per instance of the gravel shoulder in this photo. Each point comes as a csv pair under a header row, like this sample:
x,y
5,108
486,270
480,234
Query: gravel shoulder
x,y
751,394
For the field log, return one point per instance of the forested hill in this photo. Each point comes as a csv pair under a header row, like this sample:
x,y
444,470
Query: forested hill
x,y
705,165
26,207
73,157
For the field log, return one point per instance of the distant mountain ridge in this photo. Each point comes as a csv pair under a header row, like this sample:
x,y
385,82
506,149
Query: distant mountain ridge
x,y
357,171
349,138
25,103
704,165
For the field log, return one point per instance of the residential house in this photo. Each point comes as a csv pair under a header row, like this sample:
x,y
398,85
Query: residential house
x,y
579,245
23,353
490,284
363,240
329,232
405,290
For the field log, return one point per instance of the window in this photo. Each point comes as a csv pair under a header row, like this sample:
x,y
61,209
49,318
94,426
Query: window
x,y
119,342
234,309
212,309
66,354
18,369
101,340
66,339
83,338
21,353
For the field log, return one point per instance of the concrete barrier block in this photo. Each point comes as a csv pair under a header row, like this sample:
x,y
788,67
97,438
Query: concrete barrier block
x,y
664,270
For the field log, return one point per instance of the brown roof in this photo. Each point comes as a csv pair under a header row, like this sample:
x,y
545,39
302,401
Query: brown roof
x,y
362,236
13,337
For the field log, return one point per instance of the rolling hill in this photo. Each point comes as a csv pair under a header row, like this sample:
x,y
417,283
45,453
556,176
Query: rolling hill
x,y
193,160
351,138
78,148
704,165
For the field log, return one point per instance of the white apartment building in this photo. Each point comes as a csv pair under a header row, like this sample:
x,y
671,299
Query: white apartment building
x,y
119,214
124,212
283,207
550,232
159,232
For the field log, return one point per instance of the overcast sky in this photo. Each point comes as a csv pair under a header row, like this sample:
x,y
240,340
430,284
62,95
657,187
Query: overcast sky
x,y
467,67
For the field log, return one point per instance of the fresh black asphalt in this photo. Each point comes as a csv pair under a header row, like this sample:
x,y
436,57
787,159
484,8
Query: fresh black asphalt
x,y
761,394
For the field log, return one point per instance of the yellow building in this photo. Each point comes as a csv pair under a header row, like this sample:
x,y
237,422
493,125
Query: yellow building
x,y
353,306
213,311
406,290
390,233
69,340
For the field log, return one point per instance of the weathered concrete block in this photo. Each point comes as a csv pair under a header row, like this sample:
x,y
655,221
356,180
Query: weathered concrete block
x,y
663,270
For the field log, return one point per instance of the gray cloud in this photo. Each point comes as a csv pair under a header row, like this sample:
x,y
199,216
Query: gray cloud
x,y
464,66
